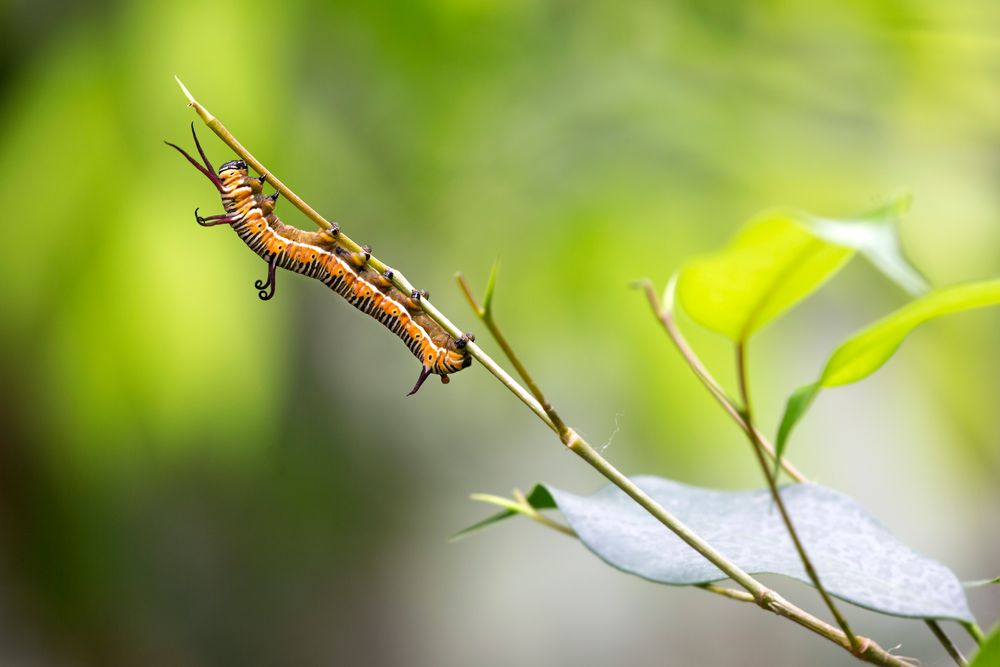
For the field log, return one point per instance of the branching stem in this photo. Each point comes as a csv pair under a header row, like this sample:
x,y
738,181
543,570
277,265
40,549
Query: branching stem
x,y
945,640
485,314
866,649
758,447
666,318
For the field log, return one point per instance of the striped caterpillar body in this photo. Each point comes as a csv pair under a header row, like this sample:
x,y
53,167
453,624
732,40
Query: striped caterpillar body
x,y
319,255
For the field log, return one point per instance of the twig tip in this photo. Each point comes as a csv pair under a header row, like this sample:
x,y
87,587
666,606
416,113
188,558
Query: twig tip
x,y
187,93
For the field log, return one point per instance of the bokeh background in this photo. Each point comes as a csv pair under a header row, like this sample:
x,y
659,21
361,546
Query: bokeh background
x,y
189,476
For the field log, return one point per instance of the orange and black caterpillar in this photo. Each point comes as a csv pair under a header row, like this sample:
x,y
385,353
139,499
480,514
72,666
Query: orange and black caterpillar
x,y
318,255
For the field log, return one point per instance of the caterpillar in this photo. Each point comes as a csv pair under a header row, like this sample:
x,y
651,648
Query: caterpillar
x,y
319,255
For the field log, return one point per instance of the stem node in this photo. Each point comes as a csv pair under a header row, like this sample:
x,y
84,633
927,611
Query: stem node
x,y
570,438
765,598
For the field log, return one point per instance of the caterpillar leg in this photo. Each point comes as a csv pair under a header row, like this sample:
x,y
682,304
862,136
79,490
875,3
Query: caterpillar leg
x,y
212,220
329,236
267,204
425,372
355,259
381,280
265,296
413,301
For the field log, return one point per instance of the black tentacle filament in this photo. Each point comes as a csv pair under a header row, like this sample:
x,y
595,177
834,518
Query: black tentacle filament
x,y
212,220
263,286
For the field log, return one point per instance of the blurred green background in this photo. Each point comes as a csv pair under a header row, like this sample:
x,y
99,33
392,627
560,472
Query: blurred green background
x,y
170,497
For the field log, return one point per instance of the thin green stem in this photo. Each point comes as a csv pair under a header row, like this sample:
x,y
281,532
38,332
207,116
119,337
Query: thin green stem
x,y
730,593
758,447
582,449
975,632
669,322
945,640
763,596
485,314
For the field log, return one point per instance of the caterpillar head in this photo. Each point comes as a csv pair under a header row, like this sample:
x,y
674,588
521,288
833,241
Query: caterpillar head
x,y
233,167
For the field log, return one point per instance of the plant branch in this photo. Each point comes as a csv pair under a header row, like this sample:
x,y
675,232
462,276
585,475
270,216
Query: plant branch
x,y
665,315
863,648
766,598
868,650
758,447
949,646
666,318
398,279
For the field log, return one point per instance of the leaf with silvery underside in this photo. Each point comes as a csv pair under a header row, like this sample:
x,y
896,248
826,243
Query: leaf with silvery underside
x,y
857,558
865,352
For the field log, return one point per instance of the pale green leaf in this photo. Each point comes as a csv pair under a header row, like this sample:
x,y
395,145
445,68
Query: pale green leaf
x,y
771,264
875,235
866,352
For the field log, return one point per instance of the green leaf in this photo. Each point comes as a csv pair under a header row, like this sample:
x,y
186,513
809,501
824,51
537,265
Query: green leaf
x,y
858,560
875,235
866,352
773,263
798,403
989,652
491,285
539,498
